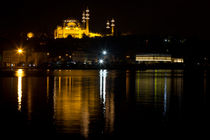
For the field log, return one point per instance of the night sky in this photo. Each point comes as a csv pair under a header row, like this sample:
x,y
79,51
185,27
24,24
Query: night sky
x,y
151,17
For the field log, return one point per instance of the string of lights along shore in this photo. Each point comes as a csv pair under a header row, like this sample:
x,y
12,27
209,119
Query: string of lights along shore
x,y
73,28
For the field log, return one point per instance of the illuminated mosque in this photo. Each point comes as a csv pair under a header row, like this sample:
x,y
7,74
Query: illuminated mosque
x,y
73,28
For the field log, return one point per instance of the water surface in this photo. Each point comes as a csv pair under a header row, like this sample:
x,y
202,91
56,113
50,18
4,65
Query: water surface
x,y
104,104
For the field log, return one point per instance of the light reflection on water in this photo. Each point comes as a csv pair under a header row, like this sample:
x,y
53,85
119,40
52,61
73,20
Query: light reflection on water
x,y
98,102
19,74
74,102
82,95
78,99
155,87
103,75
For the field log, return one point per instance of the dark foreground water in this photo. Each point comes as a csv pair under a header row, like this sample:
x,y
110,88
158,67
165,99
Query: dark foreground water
x,y
103,104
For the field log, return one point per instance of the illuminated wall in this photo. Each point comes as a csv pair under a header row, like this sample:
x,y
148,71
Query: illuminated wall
x,y
70,28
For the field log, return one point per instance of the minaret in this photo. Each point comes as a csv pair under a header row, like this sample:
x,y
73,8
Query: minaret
x,y
112,25
87,20
83,19
107,24
108,27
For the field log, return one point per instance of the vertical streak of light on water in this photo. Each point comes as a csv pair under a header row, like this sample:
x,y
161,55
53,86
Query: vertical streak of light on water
x,y
104,85
101,84
19,92
103,75
54,96
165,94
48,81
19,74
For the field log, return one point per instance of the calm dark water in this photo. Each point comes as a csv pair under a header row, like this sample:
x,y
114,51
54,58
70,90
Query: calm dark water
x,y
105,104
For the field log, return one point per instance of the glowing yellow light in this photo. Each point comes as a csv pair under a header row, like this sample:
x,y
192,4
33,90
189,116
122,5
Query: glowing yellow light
x,y
74,29
92,35
19,92
19,74
153,58
178,60
20,51
30,35
158,58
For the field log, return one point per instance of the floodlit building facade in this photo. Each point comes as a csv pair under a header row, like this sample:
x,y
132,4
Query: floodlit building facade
x,y
157,58
73,28
70,28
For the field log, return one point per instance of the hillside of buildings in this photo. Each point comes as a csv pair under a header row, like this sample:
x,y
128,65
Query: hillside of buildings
x,y
121,50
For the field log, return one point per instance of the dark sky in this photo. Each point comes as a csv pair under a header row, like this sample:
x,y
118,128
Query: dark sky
x,y
184,17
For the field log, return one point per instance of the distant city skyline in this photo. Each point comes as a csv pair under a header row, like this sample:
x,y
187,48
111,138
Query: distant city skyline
x,y
181,17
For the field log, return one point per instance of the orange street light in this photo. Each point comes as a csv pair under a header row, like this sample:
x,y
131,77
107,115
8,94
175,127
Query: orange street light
x,y
20,51
30,35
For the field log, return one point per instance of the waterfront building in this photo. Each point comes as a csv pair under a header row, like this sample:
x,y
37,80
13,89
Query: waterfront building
x,y
12,58
22,58
157,58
